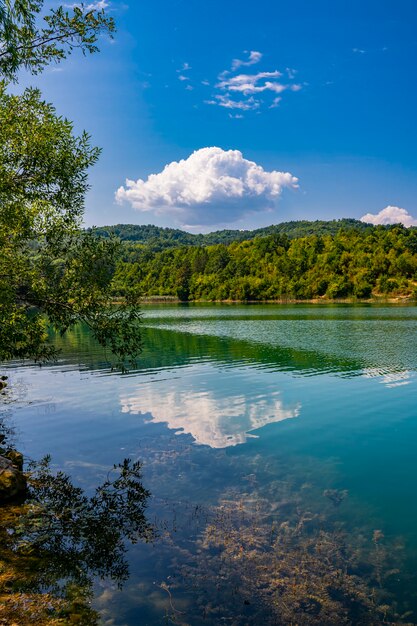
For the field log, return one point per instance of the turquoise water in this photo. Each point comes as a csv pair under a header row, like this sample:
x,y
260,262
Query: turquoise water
x,y
232,402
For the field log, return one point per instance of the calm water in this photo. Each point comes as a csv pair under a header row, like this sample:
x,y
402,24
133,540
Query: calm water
x,y
231,403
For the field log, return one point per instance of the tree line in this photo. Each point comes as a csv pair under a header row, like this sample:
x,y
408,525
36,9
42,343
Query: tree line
x,y
352,263
158,238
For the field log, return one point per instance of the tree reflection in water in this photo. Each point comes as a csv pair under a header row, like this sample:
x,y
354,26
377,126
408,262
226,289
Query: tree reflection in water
x,y
58,540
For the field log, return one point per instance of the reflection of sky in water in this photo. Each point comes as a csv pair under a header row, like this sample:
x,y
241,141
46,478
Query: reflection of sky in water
x,y
389,378
223,382
215,415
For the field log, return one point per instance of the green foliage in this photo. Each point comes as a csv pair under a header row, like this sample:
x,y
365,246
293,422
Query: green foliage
x,y
352,263
43,168
24,43
156,238
50,270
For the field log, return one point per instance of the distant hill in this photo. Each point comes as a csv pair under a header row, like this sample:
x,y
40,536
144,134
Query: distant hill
x,y
158,238
356,261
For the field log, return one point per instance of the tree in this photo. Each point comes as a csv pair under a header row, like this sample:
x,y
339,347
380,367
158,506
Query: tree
x,y
49,269
51,272
31,41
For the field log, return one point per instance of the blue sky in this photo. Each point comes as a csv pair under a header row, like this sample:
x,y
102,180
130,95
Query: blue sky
x,y
323,90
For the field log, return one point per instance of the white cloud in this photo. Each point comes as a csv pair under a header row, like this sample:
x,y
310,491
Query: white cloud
x,y
251,91
390,215
275,102
225,101
249,83
212,186
182,76
291,73
254,57
100,5
184,68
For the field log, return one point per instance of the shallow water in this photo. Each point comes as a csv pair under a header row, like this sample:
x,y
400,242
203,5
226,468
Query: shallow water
x,y
229,401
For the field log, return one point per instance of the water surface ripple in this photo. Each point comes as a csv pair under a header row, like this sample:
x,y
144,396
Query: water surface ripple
x,y
234,399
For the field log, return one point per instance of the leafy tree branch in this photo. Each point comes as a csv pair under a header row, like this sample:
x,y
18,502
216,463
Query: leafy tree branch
x,y
32,40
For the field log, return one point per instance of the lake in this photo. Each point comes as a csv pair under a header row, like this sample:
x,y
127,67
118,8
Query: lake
x,y
264,431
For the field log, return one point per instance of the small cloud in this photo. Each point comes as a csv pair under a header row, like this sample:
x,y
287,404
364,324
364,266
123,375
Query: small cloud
x,y
243,90
100,5
182,77
205,82
211,186
249,83
228,103
189,88
390,215
185,67
275,102
358,51
253,58
290,72
236,116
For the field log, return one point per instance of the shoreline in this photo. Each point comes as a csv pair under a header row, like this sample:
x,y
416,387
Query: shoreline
x,y
375,300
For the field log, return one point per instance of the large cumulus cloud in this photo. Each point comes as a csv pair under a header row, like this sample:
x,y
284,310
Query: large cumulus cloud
x,y
390,215
212,186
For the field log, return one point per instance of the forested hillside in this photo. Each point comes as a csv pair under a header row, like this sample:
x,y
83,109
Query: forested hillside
x,y
359,263
159,238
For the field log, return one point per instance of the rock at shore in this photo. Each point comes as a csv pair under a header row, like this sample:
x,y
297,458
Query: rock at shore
x,y
12,480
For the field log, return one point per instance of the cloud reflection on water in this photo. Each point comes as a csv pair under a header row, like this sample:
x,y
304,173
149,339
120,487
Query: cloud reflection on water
x,y
211,417
389,378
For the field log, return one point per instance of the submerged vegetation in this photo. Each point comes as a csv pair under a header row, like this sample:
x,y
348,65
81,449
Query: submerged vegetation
x,y
276,556
353,263
264,548
277,563
255,556
293,571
